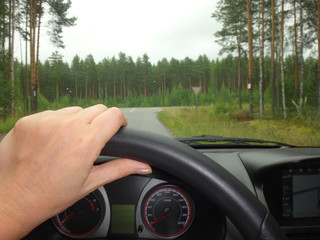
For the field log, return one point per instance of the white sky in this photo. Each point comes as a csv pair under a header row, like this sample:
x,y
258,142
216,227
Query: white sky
x,y
160,28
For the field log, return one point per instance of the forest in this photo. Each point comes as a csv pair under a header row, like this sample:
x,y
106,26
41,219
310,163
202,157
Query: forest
x,y
269,63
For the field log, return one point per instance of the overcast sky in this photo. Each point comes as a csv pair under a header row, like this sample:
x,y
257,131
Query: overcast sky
x,y
160,28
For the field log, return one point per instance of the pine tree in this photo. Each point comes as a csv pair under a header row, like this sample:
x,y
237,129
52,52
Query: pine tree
x,y
250,44
233,35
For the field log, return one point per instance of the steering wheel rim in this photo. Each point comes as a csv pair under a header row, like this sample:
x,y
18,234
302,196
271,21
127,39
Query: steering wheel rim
x,y
243,208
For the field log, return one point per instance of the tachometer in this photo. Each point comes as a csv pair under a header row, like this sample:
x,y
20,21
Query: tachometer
x,y
168,211
82,218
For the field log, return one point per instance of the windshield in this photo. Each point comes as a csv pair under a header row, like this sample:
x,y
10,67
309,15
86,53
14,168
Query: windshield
x,y
182,68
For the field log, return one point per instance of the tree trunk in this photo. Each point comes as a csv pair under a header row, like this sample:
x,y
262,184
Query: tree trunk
x,y
272,59
121,89
105,90
319,58
34,87
128,88
26,70
277,82
11,62
145,86
57,90
76,84
38,47
301,53
33,93
296,50
250,77
239,74
86,90
10,41
261,90
114,86
3,47
124,89
281,62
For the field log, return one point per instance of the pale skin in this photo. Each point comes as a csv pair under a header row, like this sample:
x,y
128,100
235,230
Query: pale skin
x,y
46,164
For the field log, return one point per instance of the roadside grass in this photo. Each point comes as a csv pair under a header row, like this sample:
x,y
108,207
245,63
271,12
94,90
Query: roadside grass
x,y
7,125
213,120
186,122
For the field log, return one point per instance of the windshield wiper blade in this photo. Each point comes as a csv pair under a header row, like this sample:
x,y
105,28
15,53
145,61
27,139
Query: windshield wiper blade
x,y
219,139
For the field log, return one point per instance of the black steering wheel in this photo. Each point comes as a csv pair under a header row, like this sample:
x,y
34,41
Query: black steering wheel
x,y
243,208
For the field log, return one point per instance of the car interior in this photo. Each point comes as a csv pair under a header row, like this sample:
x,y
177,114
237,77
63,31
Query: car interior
x,y
198,192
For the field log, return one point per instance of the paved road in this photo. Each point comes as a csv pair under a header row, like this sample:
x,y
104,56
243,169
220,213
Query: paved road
x,y
145,119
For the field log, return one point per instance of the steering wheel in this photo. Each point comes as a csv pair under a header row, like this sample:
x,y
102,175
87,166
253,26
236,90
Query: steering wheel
x,y
243,208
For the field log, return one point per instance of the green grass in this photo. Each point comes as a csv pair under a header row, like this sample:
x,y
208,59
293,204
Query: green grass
x,y
186,122
7,125
214,120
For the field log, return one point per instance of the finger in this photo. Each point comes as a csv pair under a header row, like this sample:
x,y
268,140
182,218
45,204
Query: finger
x,y
105,125
125,122
90,113
50,113
68,110
111,171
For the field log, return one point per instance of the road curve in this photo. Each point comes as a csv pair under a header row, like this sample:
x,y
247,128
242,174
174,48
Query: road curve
x,y
145,119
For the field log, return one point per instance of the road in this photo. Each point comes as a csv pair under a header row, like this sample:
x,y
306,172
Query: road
x,y
144,119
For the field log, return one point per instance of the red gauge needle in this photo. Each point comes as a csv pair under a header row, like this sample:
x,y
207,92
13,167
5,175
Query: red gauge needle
x,y
67,218
162,216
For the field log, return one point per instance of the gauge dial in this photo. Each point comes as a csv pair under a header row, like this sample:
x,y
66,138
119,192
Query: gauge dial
x,y
168,211
82,218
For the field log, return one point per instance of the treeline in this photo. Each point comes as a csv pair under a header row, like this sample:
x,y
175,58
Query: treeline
x,y
120,76
125,82
123,78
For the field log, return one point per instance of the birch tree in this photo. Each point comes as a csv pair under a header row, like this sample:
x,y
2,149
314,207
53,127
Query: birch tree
x,y
282,61
273,74
261,90
11,53
318,58
301,59
296,69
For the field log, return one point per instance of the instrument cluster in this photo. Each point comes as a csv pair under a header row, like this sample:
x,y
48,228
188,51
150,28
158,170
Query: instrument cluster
x,y
141,207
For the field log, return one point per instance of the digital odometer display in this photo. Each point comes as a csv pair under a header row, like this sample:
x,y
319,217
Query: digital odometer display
x,y
122,218
168,211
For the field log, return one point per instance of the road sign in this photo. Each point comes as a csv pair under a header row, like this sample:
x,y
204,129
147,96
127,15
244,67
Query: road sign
x,y
196,90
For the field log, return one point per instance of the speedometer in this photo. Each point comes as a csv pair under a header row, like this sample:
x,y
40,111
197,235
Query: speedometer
x,y
168,211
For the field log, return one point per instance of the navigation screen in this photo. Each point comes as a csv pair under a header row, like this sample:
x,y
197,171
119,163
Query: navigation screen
x,y
301,193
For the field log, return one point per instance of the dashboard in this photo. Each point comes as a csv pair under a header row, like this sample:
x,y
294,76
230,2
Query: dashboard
x,y
161,206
